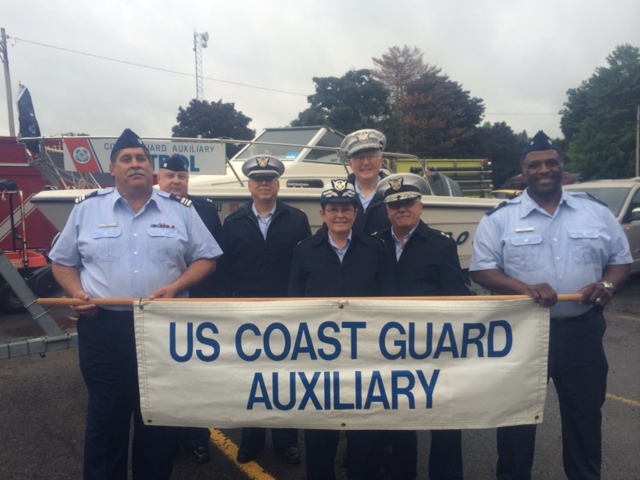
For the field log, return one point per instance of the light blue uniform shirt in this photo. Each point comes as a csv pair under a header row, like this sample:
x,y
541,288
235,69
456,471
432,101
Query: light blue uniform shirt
x,y
568,250
364,199
340,251
125,255
400,246
263,223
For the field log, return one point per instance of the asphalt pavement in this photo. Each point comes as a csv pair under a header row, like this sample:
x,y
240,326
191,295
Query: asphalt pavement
x,y
43,403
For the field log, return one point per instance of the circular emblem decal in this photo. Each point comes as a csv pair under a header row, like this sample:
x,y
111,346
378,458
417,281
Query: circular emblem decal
x,y
81,155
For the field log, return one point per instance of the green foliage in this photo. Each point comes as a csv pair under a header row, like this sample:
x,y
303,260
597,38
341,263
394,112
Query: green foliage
x,y
599,118
440,117
503,148
213,120
348,103
399,67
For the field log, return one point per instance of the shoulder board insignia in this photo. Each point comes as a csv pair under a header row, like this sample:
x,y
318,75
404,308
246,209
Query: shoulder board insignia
x,y
82,198
495,209
184,201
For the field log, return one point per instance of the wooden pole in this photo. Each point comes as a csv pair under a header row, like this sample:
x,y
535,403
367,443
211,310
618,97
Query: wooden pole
x,y
72,302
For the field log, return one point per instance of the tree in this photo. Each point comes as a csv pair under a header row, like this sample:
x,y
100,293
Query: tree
x,y
599,118
348,103
440,117
503,148
213,120
398,68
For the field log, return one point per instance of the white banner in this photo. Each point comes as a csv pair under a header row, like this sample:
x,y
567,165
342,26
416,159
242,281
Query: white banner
x,y
343,364
93,154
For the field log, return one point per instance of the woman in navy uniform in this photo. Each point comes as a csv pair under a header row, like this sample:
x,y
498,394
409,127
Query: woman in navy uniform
x,y
340,262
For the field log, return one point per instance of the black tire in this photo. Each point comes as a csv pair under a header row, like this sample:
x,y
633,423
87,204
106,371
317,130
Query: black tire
x,y
10,301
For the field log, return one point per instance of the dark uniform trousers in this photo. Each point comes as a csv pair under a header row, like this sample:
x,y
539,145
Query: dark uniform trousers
x,y
108,364
253,438
362,462
578,366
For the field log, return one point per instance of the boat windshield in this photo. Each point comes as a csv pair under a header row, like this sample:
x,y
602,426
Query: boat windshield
x,y
288,153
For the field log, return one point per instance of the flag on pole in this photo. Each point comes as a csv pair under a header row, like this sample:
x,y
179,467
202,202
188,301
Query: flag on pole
x,y
27,117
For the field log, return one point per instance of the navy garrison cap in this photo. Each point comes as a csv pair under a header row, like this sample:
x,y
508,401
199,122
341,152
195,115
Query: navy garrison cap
x,y
175,163
402,186
361,140
128,139
540,142
339,191
262,165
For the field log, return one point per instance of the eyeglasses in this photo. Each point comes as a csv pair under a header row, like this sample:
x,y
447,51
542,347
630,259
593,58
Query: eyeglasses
x,y
370,156
347,210
263,179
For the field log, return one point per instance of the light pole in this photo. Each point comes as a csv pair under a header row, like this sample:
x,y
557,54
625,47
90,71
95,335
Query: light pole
x,y
199,42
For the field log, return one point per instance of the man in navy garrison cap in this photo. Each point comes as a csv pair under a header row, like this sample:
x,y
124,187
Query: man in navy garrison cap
x,y
128,139
173,178
130,241
543,243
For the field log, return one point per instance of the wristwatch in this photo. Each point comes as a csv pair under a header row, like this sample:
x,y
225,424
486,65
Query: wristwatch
x,y
608,285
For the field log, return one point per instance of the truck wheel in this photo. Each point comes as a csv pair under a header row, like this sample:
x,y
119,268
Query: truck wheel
x,y
10,301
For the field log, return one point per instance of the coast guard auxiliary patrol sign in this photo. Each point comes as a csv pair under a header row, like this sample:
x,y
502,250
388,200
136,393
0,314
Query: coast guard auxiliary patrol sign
x,y
342,364
93,154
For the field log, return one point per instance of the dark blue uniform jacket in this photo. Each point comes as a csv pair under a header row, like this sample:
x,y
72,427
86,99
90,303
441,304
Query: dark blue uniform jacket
x,y
253,267
375,219
316,270
429,264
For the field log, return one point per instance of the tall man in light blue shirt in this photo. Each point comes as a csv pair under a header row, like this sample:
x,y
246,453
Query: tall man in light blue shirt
x,y
544,243
128,242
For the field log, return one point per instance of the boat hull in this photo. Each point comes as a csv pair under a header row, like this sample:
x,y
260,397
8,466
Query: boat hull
x,y
457,216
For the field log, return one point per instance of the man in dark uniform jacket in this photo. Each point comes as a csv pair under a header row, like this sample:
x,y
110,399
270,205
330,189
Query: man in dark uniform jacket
x,y
260,237
425,263
364,149
340,262
173,177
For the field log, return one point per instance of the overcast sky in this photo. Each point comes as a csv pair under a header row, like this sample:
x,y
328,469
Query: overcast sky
x,y
98,67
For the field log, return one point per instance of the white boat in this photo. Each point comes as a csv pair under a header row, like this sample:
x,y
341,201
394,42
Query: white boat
x,y
311,159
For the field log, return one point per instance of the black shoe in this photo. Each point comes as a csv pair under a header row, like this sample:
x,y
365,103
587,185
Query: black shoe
x,y
201,455
291,455
245,455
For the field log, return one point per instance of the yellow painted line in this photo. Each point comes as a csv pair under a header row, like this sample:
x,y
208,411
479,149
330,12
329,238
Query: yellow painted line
x,y
628,401
627,317
230,449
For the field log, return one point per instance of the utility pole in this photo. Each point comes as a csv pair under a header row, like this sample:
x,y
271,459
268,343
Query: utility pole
x,y
638,142
7,82
199,42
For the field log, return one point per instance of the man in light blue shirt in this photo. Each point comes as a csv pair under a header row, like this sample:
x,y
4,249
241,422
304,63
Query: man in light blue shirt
x,y
544,243
128,242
